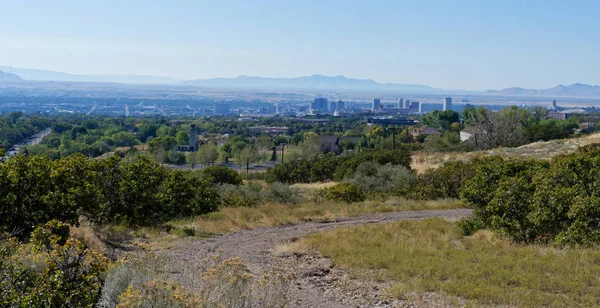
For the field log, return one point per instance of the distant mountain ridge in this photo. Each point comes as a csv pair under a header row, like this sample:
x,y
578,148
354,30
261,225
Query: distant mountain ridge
x,y
307,82
45,75
574,90
4,76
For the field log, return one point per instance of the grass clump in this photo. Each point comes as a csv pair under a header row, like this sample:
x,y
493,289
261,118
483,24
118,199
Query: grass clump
x,y
433,256
230,219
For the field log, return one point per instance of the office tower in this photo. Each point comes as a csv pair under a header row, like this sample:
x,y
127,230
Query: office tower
x,y
447,103
319,104
341,105
277,109
554,105
406,103
376,104
400,103
221,109
420,107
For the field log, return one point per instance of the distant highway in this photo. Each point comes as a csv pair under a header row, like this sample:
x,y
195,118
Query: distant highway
x,y
33,140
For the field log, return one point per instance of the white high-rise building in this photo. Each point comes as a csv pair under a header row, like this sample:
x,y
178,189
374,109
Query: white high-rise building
x,y
447,103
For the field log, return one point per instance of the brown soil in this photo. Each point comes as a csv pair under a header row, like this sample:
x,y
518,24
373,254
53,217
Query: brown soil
x,y
316,284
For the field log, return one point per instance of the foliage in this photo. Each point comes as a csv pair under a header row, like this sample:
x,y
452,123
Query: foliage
x,y
346,192
282,193
532,201
240,195
346,168
34,190
441,119
372,177
15,127
51,271
221,175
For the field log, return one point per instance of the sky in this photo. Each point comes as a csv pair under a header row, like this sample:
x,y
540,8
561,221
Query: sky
x,y
471,44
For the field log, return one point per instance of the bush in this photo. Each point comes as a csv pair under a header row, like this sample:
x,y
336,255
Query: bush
x,y
137,191
240,196
446,181
399,157
221,175
282,193
531,201
375,178
223,283
469,226
51,271
327,167
346,192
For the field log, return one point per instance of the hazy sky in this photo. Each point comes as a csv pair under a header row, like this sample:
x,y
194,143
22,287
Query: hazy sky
x,y
477,44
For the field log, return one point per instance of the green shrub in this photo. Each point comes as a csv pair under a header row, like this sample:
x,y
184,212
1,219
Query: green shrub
x,y
51,271
282,193
399,157
374,178
136,190
346,192
221,175
240,195
469,226
531,201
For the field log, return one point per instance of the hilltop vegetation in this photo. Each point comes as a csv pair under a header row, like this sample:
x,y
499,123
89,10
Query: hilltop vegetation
x,y
64,203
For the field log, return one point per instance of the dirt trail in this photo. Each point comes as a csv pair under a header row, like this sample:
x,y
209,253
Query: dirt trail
x,y
254,247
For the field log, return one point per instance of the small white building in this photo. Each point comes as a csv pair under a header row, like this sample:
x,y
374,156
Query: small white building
x,y
469,133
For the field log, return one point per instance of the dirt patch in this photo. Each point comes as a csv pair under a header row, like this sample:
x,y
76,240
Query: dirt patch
x,y
317,283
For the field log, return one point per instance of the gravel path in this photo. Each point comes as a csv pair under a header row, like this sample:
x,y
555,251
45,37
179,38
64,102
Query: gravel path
x,y
255,246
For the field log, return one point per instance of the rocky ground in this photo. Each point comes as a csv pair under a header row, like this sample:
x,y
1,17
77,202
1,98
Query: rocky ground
x,y
317,283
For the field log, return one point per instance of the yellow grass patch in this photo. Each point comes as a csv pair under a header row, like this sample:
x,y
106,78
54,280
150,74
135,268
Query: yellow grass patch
x,y
420,257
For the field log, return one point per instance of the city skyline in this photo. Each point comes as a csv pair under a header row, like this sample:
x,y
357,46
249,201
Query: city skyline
x,y
451,45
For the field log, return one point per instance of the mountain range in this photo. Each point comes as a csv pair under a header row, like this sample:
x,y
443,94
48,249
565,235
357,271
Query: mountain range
x,y
316,82
308,82
574,90
4,76
44,75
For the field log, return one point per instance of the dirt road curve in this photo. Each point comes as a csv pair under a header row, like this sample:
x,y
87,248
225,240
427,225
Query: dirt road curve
x,y
254,247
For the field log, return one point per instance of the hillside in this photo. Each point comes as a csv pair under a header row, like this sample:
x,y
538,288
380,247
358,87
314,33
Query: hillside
x,y
4,76
45,75
541,150
574,90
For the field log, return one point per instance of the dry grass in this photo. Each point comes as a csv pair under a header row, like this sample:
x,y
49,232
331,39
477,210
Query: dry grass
x,y
243,218
87,235
313,186
422,161
420,257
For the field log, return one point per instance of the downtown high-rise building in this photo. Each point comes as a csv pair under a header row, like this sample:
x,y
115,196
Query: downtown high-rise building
x,y
447,103
319,104
221,109
376,104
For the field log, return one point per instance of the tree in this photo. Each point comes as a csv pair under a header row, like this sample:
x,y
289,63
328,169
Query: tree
x,y
441,119
499,128
182,137
311,146
208,153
